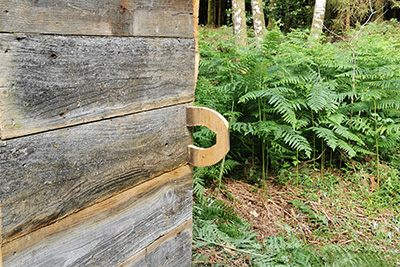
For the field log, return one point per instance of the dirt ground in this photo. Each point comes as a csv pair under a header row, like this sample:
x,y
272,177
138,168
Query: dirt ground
x,y
267,215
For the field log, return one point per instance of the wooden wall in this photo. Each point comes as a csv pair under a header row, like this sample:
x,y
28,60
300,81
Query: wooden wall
x,y
93,138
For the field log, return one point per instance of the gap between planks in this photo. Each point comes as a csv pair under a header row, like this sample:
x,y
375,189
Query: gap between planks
x,y
101,35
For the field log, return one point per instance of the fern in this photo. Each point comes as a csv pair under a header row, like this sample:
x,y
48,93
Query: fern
x,y
294,140
323,96
337,256
284,95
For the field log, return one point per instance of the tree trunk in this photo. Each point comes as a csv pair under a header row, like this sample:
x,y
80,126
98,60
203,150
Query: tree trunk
x,y
258,18
347,25
220,13
239,21
318,18
216,12
210,13
271,23
379,8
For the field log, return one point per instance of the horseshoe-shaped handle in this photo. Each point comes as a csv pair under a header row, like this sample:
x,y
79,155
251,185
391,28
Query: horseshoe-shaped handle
x,y
199,116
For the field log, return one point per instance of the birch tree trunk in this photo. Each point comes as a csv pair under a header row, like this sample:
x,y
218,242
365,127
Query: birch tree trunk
x,y
239,21
318,18
258,18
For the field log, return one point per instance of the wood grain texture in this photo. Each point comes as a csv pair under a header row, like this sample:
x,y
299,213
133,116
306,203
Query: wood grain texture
x,y
200,116
173,18
1,242
48,82
53,81
111,231
196,11
173,249
47,176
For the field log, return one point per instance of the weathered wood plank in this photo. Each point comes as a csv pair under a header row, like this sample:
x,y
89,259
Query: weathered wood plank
x,y
1,243
107,233
47,176
172,18
173,249
48,82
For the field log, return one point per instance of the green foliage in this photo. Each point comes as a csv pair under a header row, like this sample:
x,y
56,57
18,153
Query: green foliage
x,y
291,14
216,225
290,102
339,256
317,218
288,99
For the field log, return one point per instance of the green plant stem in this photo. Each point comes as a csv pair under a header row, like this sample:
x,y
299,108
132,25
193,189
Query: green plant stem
x,y
322,160
265,163
313,142
377,149
252,153
221,172
263,176
297,170
263,167
267,169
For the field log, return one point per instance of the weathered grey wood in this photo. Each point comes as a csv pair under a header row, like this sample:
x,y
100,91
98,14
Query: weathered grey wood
x,y
1,243
172,18
47,82
107,233
46,176
173,249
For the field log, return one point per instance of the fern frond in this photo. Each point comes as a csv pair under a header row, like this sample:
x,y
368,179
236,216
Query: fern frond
x,y
388,103
393,129
389,141
283,106
230,164
242,127
346,95
346,148
360,124
322,96
294,139
328,135
341,256
346,133
264,93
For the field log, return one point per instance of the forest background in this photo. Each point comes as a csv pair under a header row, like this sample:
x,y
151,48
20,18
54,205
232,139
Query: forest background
x,y
313,102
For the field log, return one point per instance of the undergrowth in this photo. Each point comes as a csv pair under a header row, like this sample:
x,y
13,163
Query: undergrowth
x,y
219,233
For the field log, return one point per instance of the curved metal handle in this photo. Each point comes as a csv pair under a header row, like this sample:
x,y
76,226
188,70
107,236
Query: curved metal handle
x,y
198,116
